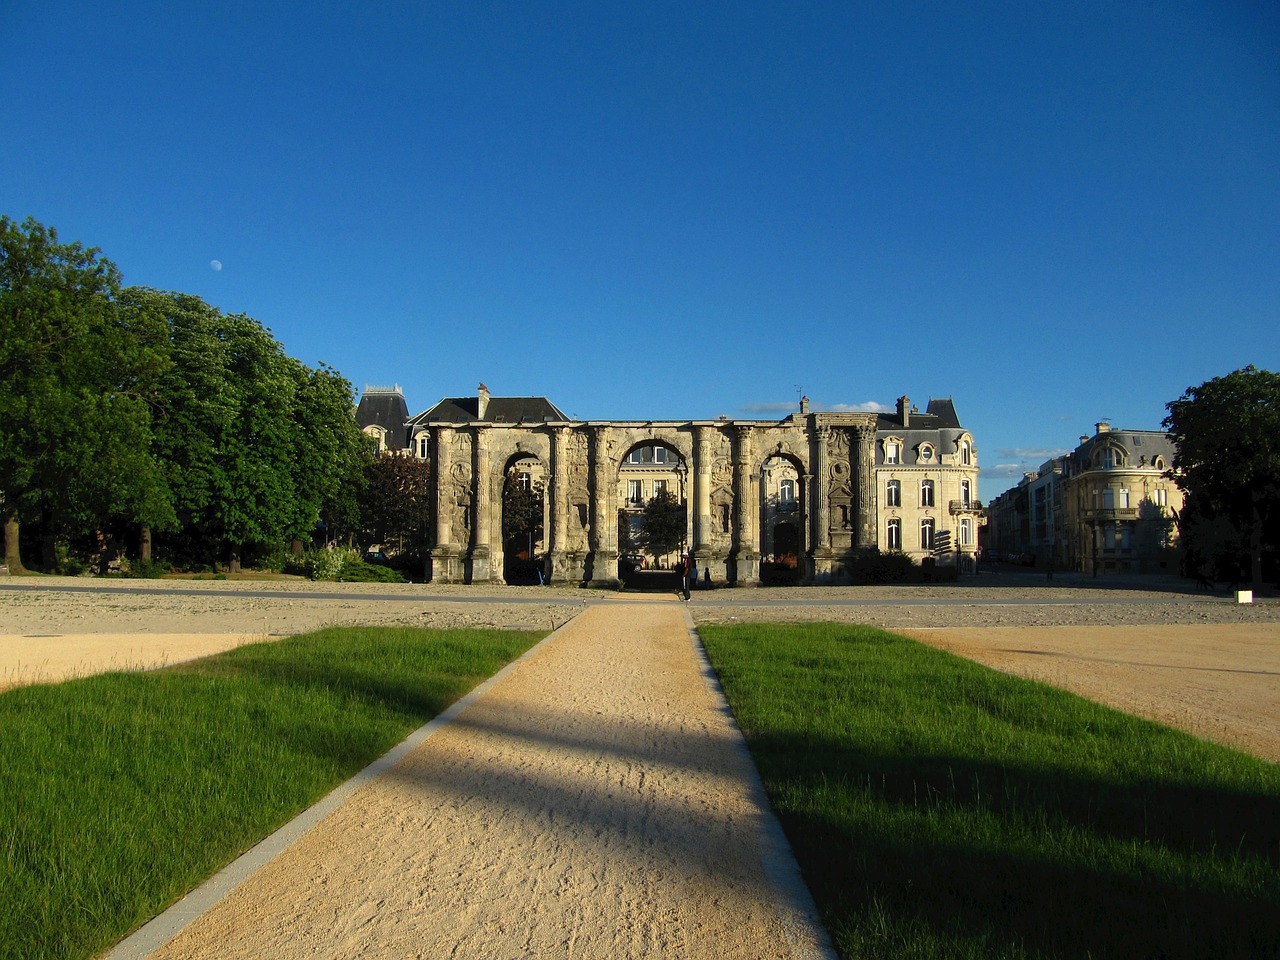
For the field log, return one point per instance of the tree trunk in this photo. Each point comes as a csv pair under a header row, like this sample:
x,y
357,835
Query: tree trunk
x,y
144,545
233,566
12,553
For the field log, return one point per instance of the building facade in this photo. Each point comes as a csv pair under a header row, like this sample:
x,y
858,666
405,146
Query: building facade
x,y
1109,506
797,497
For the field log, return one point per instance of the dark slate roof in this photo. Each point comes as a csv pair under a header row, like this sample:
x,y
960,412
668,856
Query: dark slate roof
x,y
939,415
499,410
386,409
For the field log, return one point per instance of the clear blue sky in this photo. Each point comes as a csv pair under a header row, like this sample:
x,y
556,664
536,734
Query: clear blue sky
x,y
1052,213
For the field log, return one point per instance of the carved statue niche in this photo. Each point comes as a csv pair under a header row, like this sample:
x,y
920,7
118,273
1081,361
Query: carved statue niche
x,y
578,466
459,502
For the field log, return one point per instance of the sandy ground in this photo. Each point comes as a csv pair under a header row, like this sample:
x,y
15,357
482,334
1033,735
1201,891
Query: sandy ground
x,y
55,628
1149,646
596,801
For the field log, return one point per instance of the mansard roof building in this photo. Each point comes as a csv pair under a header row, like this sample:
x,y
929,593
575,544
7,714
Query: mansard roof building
x,y
1108,506
801,497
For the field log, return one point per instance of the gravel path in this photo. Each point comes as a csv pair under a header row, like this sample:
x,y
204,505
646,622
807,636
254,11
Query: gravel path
x,y
595,802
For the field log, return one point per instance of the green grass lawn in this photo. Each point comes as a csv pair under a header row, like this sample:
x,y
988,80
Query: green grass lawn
x,y
119,793
942,809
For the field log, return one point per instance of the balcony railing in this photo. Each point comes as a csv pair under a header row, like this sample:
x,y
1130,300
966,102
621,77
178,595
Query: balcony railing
x,y
966,506
1111,513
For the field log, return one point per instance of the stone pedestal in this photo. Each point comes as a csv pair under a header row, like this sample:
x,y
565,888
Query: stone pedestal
x,y
479,565
446,565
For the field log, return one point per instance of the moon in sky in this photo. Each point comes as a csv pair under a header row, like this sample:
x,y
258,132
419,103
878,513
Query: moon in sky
x,y
216,264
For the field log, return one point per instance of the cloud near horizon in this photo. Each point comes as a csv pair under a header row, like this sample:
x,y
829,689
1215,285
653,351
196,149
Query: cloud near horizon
x,y
1033,453
790,406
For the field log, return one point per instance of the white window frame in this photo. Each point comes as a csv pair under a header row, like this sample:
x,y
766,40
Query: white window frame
x,y
893,493
927,531
893,534
928,493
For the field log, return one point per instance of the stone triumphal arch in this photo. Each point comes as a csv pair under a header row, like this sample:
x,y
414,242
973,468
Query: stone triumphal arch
x,y
801,488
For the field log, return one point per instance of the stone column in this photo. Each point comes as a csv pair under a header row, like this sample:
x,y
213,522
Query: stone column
x,y
559,501
604,513
444,555
701,506
865,460
822,492
747,509
482,549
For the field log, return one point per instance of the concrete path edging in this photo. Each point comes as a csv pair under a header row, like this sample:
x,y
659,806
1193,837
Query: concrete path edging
x,y
162,928
803,926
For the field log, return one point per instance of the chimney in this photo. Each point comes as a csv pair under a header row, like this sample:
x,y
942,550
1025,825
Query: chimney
x,y
1102,426
804,406
482,398
904,411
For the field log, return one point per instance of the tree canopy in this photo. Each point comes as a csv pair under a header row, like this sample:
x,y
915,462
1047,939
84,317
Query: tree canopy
x,y
145,409
1227,431
75,448
664,525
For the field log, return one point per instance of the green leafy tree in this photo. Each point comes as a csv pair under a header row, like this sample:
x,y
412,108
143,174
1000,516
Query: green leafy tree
x,y
256,446
522,509
664,525
1227,431
396,506
75,370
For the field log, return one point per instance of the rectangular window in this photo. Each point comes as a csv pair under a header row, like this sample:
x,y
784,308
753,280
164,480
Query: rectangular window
x,y
926,493
893,494
659,487
892,453
966,532
926,533
894,538
634,493
1124,497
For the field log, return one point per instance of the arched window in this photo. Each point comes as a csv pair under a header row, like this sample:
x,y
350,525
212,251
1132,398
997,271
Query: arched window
x,y
926,493
893,535
966,453
893,494
926,533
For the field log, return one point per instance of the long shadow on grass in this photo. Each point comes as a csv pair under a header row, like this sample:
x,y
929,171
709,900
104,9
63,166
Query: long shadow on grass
x,y
1062,865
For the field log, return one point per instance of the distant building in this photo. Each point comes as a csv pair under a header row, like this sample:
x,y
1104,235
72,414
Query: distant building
x,y
927,482
1109,506
799,498
383,415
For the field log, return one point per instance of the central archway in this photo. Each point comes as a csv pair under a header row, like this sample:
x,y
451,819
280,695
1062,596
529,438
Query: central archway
x,y
782,521
523,520
653,515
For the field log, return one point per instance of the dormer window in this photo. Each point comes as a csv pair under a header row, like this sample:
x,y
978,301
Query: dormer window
x,y
1112,458
893,450
926,453
966,452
